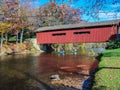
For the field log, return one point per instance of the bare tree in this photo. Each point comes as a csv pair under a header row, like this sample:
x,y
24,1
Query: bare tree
x,y
94,8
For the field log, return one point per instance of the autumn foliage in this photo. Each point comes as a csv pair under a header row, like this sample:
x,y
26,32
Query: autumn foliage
x,y
54,14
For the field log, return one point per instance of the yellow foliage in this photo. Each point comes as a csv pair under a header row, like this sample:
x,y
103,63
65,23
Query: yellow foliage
x,y
1,13
5,46
4,27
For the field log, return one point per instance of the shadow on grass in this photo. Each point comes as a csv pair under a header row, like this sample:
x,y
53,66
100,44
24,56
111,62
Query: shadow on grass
x,y
100,88
109,68
96,70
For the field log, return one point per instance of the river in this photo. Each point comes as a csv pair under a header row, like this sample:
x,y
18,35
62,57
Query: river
x,y
34,71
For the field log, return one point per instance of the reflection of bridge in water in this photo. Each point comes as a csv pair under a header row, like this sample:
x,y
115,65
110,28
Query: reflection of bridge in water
x,y
90,49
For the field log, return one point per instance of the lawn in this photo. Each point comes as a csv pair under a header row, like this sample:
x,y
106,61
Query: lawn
x,y
111,53
108,75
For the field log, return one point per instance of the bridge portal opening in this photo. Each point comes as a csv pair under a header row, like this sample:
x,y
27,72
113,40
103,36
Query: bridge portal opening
x,y
46,47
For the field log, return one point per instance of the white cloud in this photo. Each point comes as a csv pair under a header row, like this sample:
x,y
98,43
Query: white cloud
x,y
108,15
102,16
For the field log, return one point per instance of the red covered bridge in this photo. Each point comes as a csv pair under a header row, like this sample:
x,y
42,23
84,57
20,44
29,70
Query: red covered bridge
x,y
84,32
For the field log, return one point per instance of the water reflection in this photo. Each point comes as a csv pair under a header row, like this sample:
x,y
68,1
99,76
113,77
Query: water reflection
x,y
29,71
66,63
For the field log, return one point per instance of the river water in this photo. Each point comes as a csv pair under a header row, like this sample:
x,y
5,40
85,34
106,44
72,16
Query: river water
x,y
33,71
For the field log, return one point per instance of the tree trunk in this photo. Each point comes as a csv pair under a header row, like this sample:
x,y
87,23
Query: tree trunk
x,y
17,38
1,40
21,35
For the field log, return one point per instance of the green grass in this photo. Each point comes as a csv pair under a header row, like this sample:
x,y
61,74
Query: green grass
x,y
108,75
107,79
110,53
110,62
12,39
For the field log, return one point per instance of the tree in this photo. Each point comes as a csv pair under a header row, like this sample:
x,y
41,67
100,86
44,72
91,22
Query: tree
x,y
54,14
15,13
96,8
10,10
4,27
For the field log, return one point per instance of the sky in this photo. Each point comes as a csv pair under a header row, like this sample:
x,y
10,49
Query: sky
x,y
109,11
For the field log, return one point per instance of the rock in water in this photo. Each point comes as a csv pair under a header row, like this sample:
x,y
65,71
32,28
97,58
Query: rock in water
x,y
55,77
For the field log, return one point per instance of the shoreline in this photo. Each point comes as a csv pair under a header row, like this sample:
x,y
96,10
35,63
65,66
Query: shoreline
x,y
11,49
23,52
107,74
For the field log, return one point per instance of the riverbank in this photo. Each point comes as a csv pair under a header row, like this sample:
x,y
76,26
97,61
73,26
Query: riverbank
x,y
107,76
11,48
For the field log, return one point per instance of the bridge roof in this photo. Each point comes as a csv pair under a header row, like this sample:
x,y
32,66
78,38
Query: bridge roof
x,y
79,25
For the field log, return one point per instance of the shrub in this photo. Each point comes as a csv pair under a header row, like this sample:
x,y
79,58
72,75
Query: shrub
x,y
113,44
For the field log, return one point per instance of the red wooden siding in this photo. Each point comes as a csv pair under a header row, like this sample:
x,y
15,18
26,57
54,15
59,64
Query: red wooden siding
x,y
98,34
